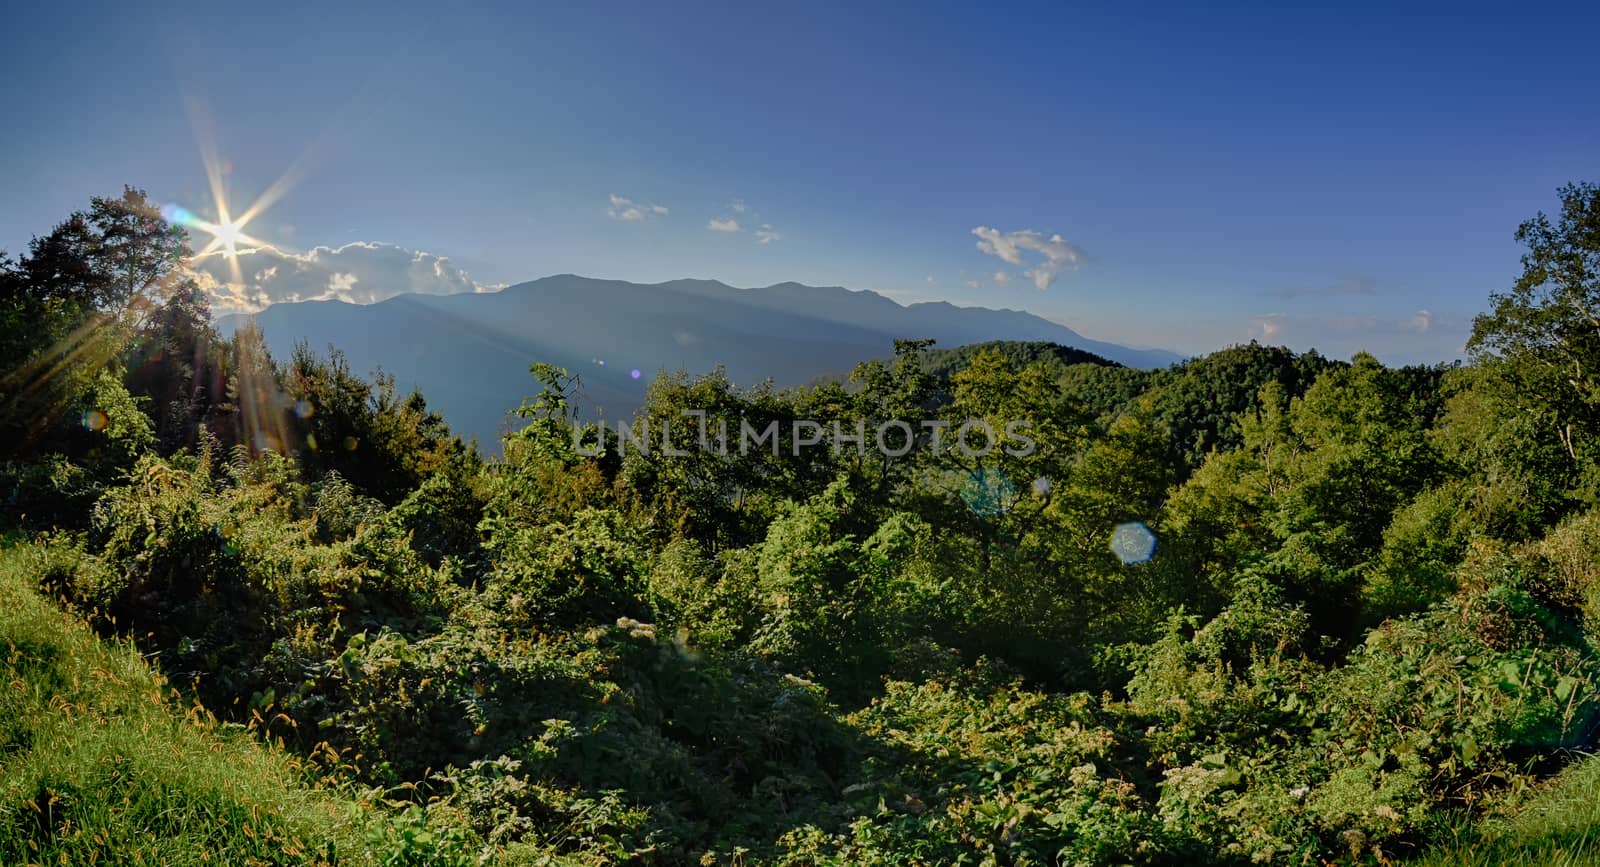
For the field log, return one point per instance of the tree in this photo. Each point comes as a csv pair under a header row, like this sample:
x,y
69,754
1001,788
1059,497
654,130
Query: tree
x,y
1199,402
383,441
71,306
110,258
1545,331
178,364
901,391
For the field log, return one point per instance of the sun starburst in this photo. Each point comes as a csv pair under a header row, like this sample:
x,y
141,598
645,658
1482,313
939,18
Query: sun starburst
x,y
227,235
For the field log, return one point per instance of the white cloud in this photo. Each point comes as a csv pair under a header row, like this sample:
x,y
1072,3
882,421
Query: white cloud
x,y
1001,277
340,285
360,273
739,206
723,224
971,284
1421,321
931,280
766,234
629,211
1058,253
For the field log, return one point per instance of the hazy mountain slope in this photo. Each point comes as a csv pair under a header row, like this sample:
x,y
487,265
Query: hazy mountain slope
x,y
470,353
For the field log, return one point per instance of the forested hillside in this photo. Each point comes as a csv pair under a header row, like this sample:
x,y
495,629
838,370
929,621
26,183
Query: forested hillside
x,y
1259,607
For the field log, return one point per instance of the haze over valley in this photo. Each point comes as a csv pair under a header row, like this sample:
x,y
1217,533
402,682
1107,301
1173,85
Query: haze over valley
x,y
469,352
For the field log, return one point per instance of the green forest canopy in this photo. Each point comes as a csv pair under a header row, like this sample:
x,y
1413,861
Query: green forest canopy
x,y
1366,629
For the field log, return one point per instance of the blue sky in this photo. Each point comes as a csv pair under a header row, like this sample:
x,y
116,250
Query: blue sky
x,y
1342,176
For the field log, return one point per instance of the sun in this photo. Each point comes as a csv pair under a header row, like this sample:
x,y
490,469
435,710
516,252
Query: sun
x,y
227,232
228,236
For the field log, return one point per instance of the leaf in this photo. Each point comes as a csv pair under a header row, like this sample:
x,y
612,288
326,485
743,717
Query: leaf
x,y
1510,672
1565,687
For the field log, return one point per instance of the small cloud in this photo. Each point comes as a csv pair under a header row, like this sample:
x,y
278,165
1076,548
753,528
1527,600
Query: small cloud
x,y
1001,278
739,206
1421,321
766,234
1348,286
629,211
1058,253
723,224
971,284
1266,327
931,280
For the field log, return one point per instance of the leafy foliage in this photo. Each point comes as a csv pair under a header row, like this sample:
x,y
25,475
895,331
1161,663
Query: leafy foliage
x,y
1357,620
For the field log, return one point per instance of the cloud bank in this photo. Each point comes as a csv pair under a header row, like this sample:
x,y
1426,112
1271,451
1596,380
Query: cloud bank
x,y
1273,326
358,273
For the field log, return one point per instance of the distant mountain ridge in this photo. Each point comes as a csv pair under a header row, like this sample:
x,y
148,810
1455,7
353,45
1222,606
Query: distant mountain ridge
x,y
469,353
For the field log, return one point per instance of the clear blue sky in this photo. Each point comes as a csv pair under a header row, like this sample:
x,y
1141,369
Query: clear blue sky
x,y
1341,177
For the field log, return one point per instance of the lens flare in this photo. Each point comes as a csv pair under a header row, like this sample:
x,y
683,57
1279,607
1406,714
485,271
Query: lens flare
x,y
1133,543
987,492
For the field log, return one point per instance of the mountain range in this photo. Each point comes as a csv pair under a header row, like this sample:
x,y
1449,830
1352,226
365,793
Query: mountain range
x,y
469,353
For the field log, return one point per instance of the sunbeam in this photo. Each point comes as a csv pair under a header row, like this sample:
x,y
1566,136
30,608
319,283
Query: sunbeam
x,y
227,233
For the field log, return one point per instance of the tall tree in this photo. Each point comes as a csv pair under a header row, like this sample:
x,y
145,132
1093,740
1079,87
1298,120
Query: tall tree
x,y
71,305
1545,332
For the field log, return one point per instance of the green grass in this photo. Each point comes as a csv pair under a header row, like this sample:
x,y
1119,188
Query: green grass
x,y
99,762
1558,827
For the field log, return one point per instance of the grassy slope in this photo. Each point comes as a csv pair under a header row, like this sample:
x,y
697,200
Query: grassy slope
x,y
1559,827
99,764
